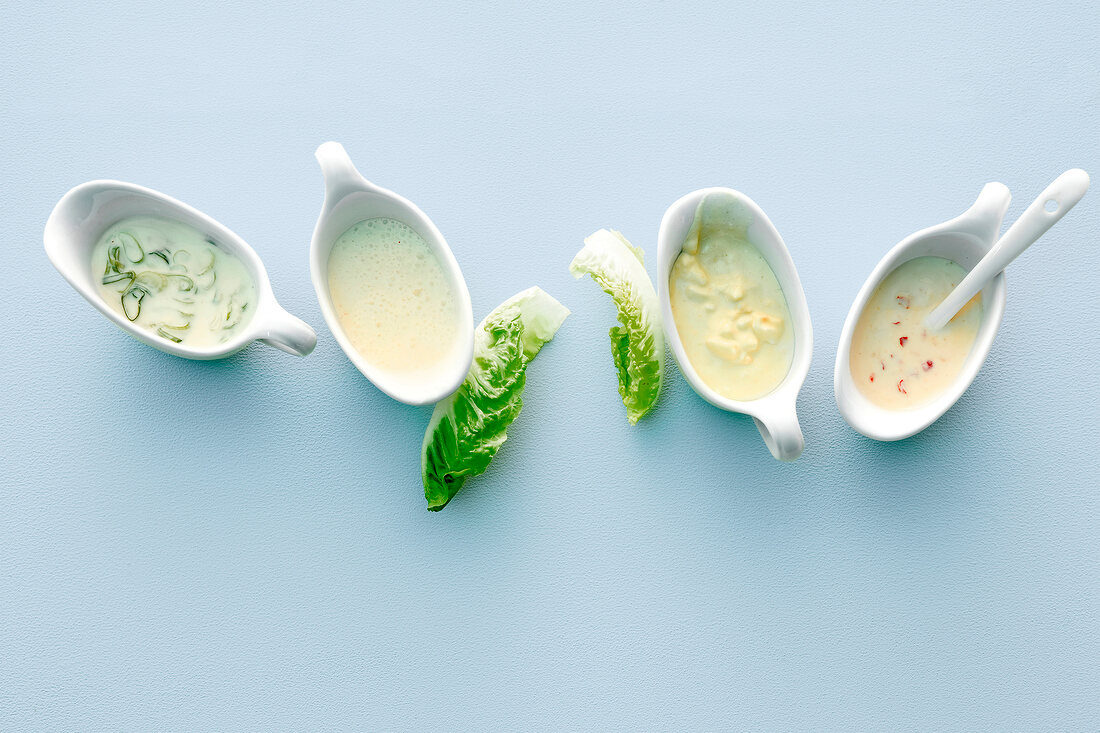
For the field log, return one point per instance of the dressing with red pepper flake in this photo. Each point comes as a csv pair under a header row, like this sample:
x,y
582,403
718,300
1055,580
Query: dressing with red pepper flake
x,y
890,340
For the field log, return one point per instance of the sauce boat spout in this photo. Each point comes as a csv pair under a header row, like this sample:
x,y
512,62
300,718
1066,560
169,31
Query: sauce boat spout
x,y
984,218
341,175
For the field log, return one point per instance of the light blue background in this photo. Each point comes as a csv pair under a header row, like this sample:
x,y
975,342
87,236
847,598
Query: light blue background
x,y
244,544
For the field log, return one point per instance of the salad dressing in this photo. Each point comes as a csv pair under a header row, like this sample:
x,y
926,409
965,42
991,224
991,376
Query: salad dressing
x,y
895,361
392,296
730,312
170,278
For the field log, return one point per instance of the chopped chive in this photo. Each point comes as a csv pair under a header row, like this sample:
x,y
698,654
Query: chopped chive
x,y
209,266
114,258
152,281
131,301
117,277
131,247
170,337
183,283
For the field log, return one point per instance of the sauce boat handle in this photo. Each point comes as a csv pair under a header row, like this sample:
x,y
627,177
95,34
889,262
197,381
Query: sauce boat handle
x,y
288,333
782,434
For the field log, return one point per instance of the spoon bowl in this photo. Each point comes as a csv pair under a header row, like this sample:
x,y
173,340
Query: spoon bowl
x,y
82,216
774,413
349,199
964,240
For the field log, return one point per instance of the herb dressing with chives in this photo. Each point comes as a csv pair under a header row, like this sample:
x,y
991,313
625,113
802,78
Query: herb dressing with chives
x,y
171,279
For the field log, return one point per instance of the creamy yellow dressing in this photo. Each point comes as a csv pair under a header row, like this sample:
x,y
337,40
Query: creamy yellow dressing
x,y
730,312
896,362
169,278
392,296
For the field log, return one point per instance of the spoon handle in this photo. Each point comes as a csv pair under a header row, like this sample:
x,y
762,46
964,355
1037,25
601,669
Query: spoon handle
x,y
1066,190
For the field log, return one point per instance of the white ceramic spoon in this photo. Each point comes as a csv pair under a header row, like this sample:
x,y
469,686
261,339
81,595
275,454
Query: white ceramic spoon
x,y
84,214
1053,203
349,199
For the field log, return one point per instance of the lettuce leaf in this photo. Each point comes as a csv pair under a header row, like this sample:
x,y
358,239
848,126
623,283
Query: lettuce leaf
x,y
468,428
638,345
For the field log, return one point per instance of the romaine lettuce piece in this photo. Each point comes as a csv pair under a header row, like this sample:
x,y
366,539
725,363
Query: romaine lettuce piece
x,y
638,345
468,427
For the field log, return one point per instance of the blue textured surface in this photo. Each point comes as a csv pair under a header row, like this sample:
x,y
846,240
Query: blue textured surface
x,y
244,544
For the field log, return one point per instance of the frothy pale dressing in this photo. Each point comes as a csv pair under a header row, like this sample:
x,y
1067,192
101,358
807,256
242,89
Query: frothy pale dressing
x,y
730,312
392,296
896,361
172,279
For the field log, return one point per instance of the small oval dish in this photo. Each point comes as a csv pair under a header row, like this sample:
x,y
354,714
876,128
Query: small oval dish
x,y
775,412
963,240
83,216
349,200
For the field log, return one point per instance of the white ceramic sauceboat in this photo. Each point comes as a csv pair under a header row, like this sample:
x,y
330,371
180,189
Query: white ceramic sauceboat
x,y
349,199
774,413
83,215
964,240
971,241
